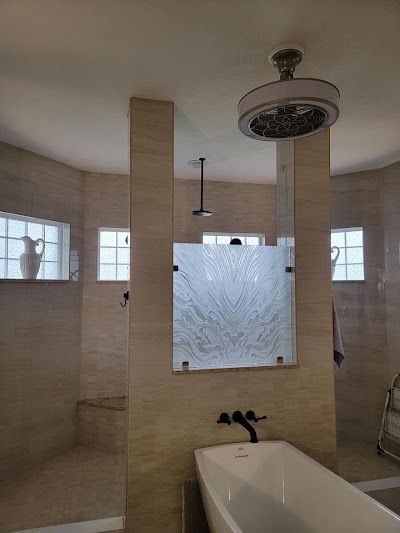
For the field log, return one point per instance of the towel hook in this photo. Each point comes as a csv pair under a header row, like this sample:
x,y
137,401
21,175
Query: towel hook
x,y
126,299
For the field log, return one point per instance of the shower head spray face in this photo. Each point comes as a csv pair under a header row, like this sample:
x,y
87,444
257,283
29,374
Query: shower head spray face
x,y
289,108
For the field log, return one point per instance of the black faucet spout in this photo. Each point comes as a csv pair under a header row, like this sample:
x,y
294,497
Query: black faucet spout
x,y
240,419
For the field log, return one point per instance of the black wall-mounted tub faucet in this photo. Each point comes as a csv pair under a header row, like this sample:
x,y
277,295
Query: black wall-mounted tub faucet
x,y
224,418
251,415
240,419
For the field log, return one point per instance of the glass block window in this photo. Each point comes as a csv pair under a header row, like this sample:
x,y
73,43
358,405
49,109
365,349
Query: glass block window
x,y
55,259
113,257
254,239
349,243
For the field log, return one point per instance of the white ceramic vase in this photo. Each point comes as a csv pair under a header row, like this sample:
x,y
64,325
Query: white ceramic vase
x,y
334,260
30,259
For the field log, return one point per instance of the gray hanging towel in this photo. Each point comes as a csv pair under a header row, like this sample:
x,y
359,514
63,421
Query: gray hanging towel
x,y
338,351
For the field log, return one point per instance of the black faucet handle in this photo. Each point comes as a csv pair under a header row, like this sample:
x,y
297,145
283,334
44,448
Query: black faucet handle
x,y
224,418
251,415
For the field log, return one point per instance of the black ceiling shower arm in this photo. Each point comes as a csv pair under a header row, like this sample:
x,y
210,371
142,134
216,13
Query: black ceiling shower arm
x,y
202,159
195,164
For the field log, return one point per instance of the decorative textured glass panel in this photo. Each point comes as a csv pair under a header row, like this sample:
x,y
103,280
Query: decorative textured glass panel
x,y
3,223
2,268
232,306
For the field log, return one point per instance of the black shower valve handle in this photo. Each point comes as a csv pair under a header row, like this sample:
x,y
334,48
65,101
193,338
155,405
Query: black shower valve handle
x,y
224,418
251,415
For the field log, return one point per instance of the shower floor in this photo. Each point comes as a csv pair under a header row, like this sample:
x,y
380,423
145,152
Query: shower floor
x,y
80,484
358,461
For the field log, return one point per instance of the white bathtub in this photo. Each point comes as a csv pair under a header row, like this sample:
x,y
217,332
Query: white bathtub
x,y
271,487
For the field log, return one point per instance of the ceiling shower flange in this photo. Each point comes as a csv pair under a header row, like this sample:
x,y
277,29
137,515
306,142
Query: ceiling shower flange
x,y
196,163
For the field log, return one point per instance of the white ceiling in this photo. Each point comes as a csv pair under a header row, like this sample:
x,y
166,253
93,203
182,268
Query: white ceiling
x,y
68,68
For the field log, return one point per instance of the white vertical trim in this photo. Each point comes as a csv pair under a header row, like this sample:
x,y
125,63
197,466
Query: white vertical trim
x,y
90,526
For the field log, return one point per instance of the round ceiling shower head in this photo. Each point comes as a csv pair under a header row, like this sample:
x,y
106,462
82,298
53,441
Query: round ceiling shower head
x,y
201,213
289,108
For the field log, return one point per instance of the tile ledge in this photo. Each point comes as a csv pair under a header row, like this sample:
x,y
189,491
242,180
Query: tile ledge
x,y
37,281
237,369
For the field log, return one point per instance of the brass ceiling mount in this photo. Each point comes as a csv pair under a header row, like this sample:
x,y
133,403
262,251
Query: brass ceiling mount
x,y
286,58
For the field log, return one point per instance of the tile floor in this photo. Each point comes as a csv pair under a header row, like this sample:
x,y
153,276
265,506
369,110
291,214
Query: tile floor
x,y
85,484
359,462
81,484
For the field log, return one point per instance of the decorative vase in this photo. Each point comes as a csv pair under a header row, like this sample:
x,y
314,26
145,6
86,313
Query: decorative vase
x,y
334,260
29,260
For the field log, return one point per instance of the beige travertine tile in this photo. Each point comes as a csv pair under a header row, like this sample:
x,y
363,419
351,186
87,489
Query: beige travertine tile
x,y
169,415
80,484
39,322
104,321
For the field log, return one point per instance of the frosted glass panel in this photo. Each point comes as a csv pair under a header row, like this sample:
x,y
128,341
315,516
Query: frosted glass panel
x,y
123,239
355,272
50,270
108,272
123,255
35,231
355,255
108,238
50,251
16,228
354,238
337,239
51,233
232,306
108,255
2,247
340,273
14,270
15,248
123,272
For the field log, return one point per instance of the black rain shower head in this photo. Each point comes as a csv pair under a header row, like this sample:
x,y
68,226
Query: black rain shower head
x,y
200,212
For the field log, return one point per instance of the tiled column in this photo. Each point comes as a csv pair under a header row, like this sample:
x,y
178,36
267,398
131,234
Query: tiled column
x,y
150,322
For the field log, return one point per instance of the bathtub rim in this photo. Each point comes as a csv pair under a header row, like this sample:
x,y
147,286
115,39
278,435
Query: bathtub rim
x,y
200,457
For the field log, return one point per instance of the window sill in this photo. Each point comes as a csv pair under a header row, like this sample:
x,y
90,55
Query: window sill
x,y
348,281
282,366
111,281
